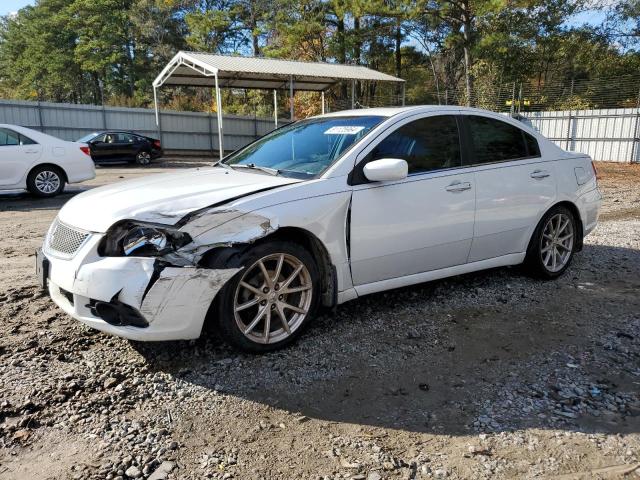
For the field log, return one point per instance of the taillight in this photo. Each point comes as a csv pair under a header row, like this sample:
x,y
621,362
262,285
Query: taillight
x,y
85,150
595,170
156,143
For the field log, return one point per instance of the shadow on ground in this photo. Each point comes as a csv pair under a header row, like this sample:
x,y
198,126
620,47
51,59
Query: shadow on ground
x,y
25,202
437,356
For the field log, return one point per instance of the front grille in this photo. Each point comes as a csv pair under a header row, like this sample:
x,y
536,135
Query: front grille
x,y
64,240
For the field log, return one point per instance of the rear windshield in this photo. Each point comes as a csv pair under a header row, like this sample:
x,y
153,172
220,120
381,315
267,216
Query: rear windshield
x,y
306,148
87,137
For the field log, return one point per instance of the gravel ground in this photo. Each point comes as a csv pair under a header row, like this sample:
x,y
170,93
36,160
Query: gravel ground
x,y
488,375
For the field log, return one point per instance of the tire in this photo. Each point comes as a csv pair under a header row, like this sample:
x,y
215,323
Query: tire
x,y
45,181
553,244
239,328
143,158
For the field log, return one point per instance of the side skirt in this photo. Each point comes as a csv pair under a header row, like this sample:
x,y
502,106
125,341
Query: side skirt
x,y
503,261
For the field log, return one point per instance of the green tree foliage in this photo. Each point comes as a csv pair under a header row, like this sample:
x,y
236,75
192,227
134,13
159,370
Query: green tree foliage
x,y
465,51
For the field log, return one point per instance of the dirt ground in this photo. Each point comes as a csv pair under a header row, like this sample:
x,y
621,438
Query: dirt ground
x,y
487,375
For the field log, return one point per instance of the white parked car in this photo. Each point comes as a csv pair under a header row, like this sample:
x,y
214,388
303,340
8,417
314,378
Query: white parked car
x,y
317,213
42,164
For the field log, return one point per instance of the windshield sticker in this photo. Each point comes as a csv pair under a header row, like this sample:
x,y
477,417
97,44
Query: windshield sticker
x,y
344,130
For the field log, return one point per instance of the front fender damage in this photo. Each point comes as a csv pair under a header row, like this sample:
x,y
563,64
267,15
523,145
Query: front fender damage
x,y
183,294
217,229
181,283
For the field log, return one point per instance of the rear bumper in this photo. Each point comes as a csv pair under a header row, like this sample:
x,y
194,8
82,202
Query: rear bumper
x,y
157,153
589,205
81,171
171,302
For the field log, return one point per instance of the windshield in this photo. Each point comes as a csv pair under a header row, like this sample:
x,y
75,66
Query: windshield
x,y
306,148
87,137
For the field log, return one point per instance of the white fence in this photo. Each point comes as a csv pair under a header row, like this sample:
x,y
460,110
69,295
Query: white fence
x,y
191,131
608,135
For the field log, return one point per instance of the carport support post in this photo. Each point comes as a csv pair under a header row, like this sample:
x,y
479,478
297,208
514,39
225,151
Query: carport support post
x,y
291,98
322,96
635,134
275,107
353,94
156,110
219,112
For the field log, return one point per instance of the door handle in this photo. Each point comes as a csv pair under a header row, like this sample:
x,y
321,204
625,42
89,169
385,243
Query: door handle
x,y
540,174
458,187
31,151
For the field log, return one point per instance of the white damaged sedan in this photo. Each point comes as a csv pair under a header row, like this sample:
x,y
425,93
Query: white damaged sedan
x,y
315,214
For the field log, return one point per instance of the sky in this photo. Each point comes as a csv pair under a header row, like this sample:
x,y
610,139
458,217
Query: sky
x,y
592,17
9,6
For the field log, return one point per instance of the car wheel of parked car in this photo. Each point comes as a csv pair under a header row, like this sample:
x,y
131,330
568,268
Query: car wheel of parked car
x,y
45,181
266,305
143,158
553,243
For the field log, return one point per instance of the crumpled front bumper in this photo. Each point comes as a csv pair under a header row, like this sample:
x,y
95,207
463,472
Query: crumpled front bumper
x,y
172,300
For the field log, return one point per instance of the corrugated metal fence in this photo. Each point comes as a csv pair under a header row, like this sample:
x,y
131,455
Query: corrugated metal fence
x,y
609,135
191,131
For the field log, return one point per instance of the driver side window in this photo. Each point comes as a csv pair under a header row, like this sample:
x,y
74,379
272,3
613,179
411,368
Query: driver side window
x,y
427,144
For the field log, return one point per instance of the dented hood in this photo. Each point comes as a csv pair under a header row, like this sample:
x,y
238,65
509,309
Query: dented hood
x,y
162,198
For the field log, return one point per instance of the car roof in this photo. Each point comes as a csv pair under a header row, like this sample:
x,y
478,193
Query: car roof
x,y
391,111
100,132
32,133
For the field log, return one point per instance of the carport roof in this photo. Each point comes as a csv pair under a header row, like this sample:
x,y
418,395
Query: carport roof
x,y
200,69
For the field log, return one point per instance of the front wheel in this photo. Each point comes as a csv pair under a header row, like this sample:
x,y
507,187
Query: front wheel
x,y
45,181
266,305
553,244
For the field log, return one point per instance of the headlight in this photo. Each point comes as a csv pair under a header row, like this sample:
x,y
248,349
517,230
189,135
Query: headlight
x,y
138,239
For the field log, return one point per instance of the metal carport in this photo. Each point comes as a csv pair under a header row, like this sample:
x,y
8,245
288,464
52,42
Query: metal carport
x,y
197,69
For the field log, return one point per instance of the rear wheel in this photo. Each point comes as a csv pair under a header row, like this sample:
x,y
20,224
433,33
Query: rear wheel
x,y
266,305
143,158
45,181
553,243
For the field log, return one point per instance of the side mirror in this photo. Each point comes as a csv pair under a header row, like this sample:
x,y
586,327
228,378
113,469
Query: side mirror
x,y
386,169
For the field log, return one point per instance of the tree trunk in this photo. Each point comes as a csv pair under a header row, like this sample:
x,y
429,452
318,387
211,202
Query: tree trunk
x,y
254,28
256,47
342,51
357,44
357,51
433,71
466,45
342,44
398,54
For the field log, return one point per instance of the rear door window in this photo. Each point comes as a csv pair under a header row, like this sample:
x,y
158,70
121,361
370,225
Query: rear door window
x,y
124,138
497,141
533,150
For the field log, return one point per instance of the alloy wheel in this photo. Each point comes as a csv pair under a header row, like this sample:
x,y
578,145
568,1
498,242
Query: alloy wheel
x,y
556,244
144,158
273,298
47,182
